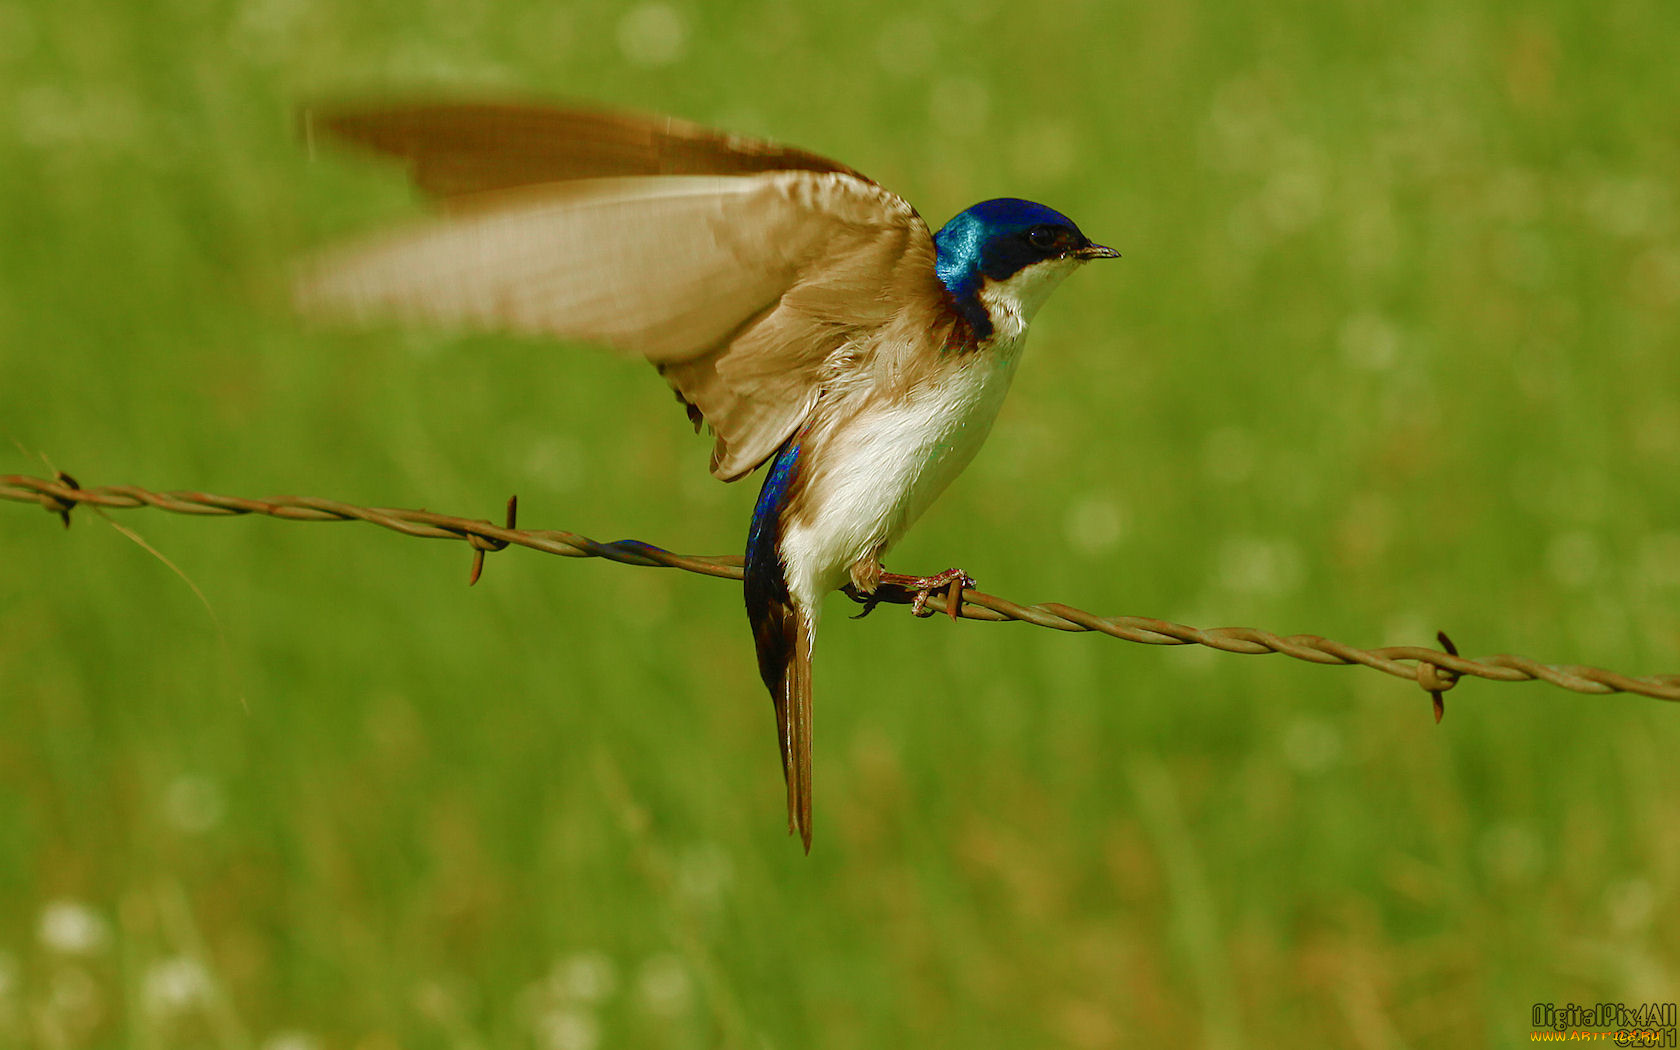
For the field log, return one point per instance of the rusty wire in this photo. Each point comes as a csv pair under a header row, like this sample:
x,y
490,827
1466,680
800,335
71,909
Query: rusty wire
x,y
1435,670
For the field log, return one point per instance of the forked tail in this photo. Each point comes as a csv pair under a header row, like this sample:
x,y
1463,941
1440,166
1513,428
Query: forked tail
x,y
782,629
784,661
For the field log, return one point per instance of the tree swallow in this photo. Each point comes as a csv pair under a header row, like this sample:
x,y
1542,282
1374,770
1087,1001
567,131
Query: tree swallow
x,y
799,309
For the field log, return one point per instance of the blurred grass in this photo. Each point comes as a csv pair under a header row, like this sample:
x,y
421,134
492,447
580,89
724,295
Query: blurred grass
x,y
1393,348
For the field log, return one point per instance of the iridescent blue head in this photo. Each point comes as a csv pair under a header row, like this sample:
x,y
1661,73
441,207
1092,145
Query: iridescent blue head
x,y
1003,242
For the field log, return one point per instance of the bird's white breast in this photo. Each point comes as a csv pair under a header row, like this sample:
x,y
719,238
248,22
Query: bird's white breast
x,y
879,459
874,471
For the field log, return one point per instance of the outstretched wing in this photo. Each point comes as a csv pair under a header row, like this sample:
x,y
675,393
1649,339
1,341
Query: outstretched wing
x,y
738,276
458,149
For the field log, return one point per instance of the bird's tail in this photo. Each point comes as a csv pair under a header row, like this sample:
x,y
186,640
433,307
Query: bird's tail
x,y
783,627
783,631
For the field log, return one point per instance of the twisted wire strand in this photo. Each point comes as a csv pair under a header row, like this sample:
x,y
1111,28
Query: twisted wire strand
x,y
1434,670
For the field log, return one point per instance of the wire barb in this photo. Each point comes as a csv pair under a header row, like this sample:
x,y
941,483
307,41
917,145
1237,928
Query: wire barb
x,y
1437,680
1435,670
57,505
481,544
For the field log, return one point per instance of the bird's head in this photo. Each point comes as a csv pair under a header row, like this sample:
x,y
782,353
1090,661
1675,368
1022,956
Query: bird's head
x,y
1000,260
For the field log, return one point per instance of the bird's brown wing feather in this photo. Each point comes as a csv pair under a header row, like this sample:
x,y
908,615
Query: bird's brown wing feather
x,y
456,150
740,288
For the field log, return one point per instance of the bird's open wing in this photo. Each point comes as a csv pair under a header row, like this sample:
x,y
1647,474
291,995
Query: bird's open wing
x,y
739,287
456,150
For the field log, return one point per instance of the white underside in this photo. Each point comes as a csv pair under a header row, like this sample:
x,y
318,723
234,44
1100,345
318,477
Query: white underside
x,y
884,466
877,467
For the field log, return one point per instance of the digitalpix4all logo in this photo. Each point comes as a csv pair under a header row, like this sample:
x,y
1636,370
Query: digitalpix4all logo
x,y
1619,1024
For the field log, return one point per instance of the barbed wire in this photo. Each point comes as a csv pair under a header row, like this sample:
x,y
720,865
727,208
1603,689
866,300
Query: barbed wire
x,y
1435,670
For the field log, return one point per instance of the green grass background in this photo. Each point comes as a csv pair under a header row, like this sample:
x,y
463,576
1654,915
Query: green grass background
x,y
1393,348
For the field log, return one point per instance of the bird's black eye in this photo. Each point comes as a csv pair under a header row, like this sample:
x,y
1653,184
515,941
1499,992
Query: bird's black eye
x,y
1044,238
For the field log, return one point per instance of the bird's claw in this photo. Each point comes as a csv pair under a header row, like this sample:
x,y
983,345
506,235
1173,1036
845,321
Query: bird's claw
x,y
951,580
914,590
868,601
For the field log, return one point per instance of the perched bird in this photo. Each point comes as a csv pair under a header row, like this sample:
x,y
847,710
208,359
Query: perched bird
x,y
803,312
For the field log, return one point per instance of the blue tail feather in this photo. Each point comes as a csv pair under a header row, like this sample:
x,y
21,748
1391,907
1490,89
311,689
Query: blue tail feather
x,y
781,632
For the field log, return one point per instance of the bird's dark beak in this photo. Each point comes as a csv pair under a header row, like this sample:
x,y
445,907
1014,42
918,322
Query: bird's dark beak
x,y
1095,251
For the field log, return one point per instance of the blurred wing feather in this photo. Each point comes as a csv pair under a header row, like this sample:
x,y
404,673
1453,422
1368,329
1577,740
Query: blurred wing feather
x,y
455,150
740,288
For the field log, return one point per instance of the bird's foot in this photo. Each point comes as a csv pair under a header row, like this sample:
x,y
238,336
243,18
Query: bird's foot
x,y
867,599
951,580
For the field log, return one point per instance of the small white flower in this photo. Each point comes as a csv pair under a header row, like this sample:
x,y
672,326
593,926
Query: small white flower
x,y
568,1028
73,928
194,804
1370,342
557,461
586,977
1253,565
663,986
1094,524
174,986
652,34
704,873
